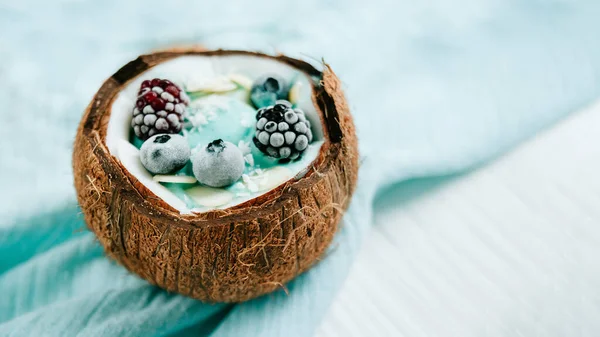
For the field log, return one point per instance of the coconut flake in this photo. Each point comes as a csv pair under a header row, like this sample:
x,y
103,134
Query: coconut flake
x,y
215,85
198,119
241,80
239,186
214,101
209,196
274,177
250,184
174,179
249,158
211,115
244,147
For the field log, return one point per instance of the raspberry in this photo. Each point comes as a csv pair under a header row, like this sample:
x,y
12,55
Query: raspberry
x,y
282,132
158,109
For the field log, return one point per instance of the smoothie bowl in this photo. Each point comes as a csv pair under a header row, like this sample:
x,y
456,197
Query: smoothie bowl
x,y
220,175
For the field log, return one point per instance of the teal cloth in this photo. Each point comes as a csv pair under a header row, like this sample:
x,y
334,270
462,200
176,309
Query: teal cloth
x,y
436,87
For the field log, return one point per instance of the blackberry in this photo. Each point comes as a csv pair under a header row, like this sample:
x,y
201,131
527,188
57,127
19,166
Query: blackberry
x,y
158,109
268,89
282,132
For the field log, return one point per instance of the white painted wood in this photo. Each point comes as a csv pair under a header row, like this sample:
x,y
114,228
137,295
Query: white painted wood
x,y
511,249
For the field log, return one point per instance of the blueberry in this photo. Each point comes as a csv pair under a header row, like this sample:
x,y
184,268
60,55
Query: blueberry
x,y
164,153
219,164
267,90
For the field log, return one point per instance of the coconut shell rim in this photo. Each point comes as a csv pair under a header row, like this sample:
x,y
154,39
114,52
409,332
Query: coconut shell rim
x,y
95,122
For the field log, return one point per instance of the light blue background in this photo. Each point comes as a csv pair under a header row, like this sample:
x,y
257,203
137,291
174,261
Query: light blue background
x,y
436,87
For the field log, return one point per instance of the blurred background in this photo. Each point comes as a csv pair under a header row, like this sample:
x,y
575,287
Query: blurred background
x,y
475,213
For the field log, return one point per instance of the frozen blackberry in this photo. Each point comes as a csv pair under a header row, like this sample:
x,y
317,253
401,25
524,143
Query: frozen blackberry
x,y
282,132
268,89
158,109
162,153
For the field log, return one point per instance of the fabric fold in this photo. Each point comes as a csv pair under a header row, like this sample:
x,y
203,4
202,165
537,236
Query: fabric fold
x,y
435,88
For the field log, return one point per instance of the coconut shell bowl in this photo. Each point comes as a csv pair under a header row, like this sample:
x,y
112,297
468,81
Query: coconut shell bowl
x,y
220,175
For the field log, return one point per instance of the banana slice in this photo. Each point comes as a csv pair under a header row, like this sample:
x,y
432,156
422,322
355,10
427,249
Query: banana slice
x,y
174,179
295,92
209,196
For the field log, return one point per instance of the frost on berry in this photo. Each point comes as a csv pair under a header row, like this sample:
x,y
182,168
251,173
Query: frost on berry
x,y
158,109
282,132
269,90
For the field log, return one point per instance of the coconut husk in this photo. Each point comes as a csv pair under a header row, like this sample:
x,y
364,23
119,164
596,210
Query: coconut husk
x,y
228,255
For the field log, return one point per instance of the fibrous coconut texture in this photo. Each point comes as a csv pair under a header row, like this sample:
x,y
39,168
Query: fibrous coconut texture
x,y
228,255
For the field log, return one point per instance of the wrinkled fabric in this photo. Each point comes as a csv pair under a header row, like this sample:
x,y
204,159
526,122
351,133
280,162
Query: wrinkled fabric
x,y
436,87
